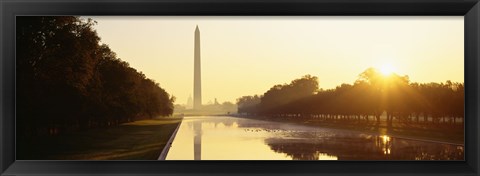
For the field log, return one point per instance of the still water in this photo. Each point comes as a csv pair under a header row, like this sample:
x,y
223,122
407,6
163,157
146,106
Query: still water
x,y
232,138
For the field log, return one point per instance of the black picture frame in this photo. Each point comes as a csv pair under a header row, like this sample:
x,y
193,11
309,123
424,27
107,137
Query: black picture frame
x,y
470,9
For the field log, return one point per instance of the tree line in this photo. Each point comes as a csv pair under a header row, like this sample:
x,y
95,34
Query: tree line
x,y
368,98
66,80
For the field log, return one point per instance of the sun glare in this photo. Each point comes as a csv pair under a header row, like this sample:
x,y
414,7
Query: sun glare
x,y
387,69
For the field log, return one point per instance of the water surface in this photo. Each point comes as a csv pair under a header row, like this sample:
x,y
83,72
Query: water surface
x,y
232,138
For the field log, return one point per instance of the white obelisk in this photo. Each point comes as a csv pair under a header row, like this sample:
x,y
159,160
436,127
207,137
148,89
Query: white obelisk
x,y
197,82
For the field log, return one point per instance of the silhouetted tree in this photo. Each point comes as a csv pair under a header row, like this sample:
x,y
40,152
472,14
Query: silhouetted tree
x,y
282,94
372,94
66,80
248,104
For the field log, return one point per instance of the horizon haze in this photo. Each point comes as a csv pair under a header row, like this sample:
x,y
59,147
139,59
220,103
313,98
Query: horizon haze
x,y
265,51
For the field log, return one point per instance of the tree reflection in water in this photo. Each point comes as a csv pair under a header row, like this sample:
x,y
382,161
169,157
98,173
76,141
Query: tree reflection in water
x,y
364,147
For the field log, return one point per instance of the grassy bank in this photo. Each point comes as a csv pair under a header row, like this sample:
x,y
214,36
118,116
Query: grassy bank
x,y
448,134
139,140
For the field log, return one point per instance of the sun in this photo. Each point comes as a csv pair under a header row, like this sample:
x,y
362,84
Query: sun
x,y
387,69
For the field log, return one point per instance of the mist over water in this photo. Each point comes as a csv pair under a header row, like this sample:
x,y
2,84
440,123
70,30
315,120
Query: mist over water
x,y
232,138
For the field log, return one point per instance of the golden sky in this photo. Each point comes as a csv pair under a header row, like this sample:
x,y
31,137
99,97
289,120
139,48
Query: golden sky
x,y
248,55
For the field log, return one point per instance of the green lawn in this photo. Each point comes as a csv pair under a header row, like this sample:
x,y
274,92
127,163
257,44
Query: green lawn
x,y
139,140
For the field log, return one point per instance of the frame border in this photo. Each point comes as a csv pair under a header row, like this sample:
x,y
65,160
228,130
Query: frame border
x,y
470,9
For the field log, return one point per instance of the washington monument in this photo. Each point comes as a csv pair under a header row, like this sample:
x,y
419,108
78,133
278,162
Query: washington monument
x,y
197,79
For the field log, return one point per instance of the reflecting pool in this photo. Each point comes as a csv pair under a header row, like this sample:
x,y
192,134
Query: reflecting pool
x,y
232,138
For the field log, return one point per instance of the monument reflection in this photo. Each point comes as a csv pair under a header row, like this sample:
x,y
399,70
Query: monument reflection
x,y
197,148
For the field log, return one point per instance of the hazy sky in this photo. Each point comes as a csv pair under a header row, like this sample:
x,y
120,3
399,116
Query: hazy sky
x,y
248,55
